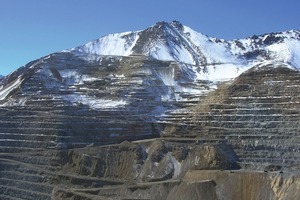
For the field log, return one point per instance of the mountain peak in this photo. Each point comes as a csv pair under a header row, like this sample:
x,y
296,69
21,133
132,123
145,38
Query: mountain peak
x,y
174,23
172,41
177,24
163,25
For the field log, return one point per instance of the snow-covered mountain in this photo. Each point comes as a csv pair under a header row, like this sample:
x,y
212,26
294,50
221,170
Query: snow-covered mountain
x,y
61,111
193,57
283,47
163,41
176,42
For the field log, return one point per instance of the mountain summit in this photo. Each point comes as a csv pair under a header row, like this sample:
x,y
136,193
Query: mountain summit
x,y
176,42
163,41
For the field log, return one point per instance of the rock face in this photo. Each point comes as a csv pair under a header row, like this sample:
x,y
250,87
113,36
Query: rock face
x,y
257,113
165,109
157,160
167,190
249,185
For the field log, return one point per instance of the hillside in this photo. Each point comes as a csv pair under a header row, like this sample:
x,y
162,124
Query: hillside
x,y
165,108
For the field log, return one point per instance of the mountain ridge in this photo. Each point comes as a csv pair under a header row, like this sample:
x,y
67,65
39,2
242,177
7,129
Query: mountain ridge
x,y
209,55
161,40
200,57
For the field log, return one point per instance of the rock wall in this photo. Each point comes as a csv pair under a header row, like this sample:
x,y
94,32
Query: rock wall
x,y
157,160
249,184
258,113
199,184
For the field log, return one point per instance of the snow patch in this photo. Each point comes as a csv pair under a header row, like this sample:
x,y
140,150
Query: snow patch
x,y
176,166
275,64
4,92
222,72
72,77
161,52
93,102
167,76
114,44
213,52
281,52
295,53
15,102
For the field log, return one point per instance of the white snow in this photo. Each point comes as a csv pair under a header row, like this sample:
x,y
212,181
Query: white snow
x,y
167,76
119,76
222,72
9,88
113,44
192,43
161,52
177,166
182,55
288,52
188,46
94,102
73,77
281,52
214,52
274,64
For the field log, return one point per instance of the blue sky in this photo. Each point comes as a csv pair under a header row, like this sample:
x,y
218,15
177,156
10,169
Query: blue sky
x,y
30,29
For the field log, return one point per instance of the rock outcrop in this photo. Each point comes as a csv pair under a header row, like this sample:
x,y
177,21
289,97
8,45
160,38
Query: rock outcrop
x,y
154,160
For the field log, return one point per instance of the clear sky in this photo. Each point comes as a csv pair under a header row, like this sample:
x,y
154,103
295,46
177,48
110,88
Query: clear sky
x,y
30,29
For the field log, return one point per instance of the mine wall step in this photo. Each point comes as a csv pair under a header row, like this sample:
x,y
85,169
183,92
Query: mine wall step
x,y
267,152
27,170
23,194
29,123
286,131
95,128
245,117
257,110
35,137
248,100
72,132
38,160
25,185
14,149
275,117
253,105
272,160
24,176
264,133
247,124
285,159
29,167
27,143
253,137
6,197
84,181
